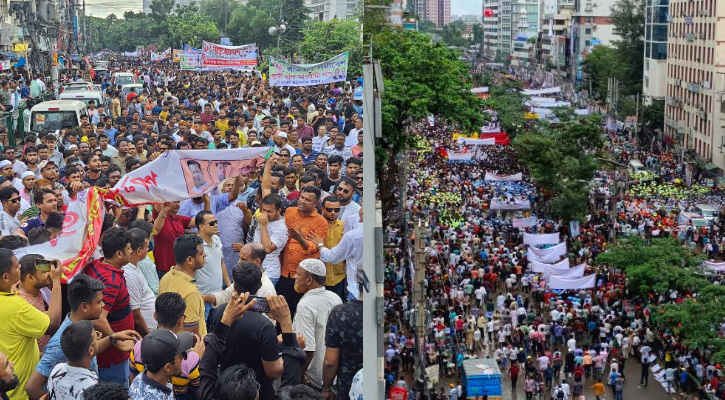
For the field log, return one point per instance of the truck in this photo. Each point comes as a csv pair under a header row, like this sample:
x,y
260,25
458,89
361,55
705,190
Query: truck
x,y
691,218
482,377
707,211
54,115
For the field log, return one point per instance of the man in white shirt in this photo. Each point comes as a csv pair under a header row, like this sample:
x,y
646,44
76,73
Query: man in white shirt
x,y
351,139
141,297
272,233
313,310
213,274
10,198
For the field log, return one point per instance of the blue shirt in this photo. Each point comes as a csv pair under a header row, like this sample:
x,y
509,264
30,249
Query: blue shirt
x,y
111,135
53,355
30,224
145,388
217,203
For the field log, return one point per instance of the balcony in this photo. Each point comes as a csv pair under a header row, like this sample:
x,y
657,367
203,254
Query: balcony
x,y
693,87
690,37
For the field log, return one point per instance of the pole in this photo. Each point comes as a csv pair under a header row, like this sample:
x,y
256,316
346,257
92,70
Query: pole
x,y
421,304
85,32
373,354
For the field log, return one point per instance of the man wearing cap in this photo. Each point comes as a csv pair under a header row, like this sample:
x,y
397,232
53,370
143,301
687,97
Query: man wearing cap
x,y
280,142
7,171
163,353
313,310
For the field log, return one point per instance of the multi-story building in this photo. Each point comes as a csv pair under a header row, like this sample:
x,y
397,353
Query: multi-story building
x,y
591,26
654,82
327,10
492,31
695,83
436,11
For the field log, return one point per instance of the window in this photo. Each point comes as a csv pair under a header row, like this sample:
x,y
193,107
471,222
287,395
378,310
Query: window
x,y
588,31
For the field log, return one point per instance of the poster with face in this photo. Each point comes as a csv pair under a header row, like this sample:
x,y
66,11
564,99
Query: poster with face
x,y
196,175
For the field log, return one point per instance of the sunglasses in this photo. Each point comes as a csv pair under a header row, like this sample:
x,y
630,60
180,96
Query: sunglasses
x,y
212,223
359,178
330,209
346,191
15,200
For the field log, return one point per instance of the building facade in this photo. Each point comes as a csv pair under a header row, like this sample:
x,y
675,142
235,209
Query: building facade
x,y
654,80
693,64
327,10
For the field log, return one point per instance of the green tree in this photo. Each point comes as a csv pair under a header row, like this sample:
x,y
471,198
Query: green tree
x,y
161,9
219,11
600,65
452,34
628,19
324,40
250,23
653,115
561,159
656,268
188,28
509,104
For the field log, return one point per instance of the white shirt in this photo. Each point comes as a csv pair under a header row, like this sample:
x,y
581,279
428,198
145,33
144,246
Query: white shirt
x,y
209,278
351,139
350,210
8,224
68,383
139,293
110,151
278,235
350,249
313,310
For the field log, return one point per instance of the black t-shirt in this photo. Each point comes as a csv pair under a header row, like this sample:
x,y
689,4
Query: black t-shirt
x,y
251,340
328,184
345,332
92,181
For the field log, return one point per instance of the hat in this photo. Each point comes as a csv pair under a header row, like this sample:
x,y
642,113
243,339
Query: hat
x,y
314,266
44,164
160,346
282,134
73,146
5,163
27,174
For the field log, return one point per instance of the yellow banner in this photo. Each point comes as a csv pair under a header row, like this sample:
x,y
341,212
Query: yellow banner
x,y
176,57
20,47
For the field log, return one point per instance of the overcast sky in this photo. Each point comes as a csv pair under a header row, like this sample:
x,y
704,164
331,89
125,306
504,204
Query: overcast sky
x,y
463,7
103,8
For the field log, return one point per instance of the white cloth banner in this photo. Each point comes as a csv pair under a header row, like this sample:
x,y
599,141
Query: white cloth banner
x,y
283,73
576,272
130,54
516,204
523,222
533,239
493,177
460,156
540,267
4,65
549,255
182,174
585,282
479,142
719,267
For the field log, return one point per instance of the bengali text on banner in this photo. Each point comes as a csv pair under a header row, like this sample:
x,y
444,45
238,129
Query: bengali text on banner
x,y
216,56
283,73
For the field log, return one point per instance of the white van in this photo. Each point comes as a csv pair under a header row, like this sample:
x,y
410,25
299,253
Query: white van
x,y
636,166
50,116
123,78
707,211
83,95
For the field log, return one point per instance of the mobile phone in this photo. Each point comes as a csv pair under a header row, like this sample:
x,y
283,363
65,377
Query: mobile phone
x,y
43,265
261,306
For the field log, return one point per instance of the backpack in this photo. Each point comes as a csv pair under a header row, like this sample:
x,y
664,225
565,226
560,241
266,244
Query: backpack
x,y
559,394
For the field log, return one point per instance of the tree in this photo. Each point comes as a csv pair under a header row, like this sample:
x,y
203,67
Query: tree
x,y
656,268
324,40
219,11
188,28
653,115
601,64
250,23
509,104
561,159
161,9
452,34
628,19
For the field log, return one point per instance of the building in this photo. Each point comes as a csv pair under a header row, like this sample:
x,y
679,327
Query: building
x,y
327,10
435,11
526,32
591,26
654,82
695,82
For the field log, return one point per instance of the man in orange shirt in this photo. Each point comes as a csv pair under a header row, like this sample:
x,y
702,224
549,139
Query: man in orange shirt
x,y
300,221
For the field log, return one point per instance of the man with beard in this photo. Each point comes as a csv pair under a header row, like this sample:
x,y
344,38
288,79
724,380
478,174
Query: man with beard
x,y
94,174
344,192
32,279
31,160
119,159
24,324
335,273
8,380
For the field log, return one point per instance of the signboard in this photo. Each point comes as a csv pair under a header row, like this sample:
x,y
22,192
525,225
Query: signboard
x,y
225,41
283,73
176,54
216,56
189,61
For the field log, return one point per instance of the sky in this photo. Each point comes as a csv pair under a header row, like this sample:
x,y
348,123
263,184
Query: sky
x,y
103,8
463,7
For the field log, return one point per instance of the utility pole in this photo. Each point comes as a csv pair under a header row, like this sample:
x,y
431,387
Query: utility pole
x,y
85,32
421,305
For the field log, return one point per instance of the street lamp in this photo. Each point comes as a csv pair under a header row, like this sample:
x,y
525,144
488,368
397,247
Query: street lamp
x,y
278,31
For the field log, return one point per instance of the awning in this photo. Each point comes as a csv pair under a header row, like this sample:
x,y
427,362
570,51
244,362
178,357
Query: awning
x,y
710,167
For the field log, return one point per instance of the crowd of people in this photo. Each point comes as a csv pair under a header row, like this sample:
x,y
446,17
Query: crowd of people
x,y
250,290
484,301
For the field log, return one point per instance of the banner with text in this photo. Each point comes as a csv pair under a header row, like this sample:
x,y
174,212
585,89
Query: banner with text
x,y
176,55
200,171
541,238
283,73
541,267
215,56
81,231
575,272
549,255
190,61
523,222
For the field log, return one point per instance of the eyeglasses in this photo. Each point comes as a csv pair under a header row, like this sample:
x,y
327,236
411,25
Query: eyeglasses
x,y
212,223
346,191
15,200
358,178
330,209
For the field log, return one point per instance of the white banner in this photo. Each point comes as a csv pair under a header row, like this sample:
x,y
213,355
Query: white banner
x,y
576,272
479,142
551,254
533,239
540,267
493,177
216,56
182,174
718,267
283,73
523,222
516,204
130,54
4,65
460,156
585,282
